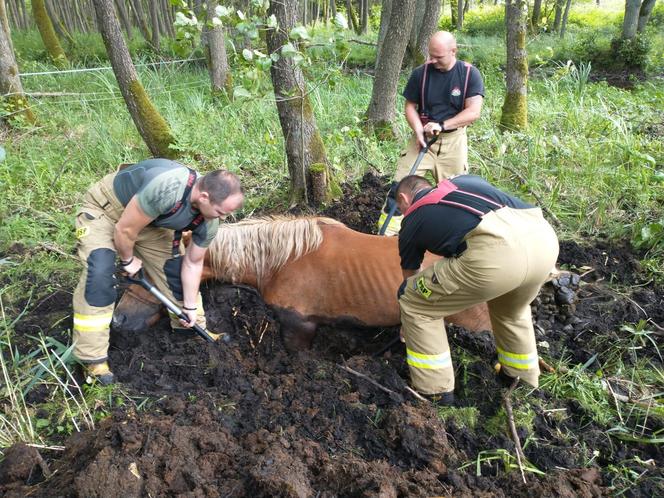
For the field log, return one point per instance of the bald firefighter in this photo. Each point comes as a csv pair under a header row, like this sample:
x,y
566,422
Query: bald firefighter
x,y
137,216
443,96
496,249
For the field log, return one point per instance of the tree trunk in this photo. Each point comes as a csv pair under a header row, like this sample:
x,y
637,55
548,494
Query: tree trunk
x,y
154,24
220,71
385,12
558,15
453,11
13,102
460,11
425,24
139,16
124,17
380,115
631,19
515,108
151,125
304,146
364,16
536,15
644,14
45,26
563,26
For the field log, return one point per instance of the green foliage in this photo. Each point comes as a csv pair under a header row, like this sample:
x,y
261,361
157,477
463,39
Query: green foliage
x,y
632,53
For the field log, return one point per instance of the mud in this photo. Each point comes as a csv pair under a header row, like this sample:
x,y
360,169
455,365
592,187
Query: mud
x,y
243,417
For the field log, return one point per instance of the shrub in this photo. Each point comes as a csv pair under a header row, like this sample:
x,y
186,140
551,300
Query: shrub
x,y
632,53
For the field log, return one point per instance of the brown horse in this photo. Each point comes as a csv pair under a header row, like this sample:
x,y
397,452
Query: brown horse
x,y
310,271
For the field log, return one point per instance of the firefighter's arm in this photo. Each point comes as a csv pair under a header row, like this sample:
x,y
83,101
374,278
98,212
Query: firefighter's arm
x,y
130,224
192,268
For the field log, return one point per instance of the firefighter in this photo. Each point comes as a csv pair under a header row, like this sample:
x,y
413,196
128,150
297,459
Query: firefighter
x,y
496,248
136,217
443,96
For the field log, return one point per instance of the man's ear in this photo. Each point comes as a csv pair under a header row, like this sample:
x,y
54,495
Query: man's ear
x,y
203,195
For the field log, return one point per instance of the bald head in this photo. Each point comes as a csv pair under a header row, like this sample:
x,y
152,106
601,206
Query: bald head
x,y
442,50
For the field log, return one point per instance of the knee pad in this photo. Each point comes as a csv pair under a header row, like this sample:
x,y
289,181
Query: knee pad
x,y
172,269
100,282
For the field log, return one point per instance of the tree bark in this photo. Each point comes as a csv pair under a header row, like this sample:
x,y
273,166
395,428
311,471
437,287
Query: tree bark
x,y
151,125
304,146
45,26
425,24
124,17
563,26
515,107
385,13
154,23
364,16
460,11
12,98
380,114
139,16
558,15
220,71
644,14
536,15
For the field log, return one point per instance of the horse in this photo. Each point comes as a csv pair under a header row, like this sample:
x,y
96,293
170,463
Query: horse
x,y
310,271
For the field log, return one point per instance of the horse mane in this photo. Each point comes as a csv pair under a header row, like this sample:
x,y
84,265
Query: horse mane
x,y
263,245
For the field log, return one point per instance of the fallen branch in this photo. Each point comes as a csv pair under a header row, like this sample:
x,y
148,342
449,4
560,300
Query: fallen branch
x,y
416,394
510,421
548,368
371,381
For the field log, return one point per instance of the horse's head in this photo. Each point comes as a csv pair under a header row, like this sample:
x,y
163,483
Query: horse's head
x,y
137,310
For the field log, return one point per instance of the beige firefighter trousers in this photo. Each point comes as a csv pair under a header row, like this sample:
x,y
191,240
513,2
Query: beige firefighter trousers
x,y
95,294
509,256
447,157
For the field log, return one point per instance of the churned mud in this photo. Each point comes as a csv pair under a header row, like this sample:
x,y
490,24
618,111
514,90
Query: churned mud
x,y
244,417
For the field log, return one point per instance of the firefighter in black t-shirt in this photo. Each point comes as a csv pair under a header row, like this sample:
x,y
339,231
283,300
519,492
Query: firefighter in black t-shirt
x,y
442,96
497,249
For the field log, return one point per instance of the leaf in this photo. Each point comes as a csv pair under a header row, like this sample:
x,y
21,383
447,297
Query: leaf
x,y
299,33
272,21
288,50
240,92
340,21
241,15
222,11
3,154
247,54
658,175
42,422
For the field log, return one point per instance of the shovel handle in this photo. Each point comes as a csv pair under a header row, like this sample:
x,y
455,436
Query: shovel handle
x,y
412,171
139,278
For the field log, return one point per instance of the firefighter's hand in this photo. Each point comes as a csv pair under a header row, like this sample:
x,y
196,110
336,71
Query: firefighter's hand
x,y
133,266
402,337
432,128
191,313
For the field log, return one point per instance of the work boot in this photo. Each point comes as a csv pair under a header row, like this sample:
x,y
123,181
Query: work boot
x,y
504,380
100,372
441,399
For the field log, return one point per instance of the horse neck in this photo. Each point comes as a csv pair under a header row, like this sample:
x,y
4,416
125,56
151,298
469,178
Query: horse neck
x,y
247,278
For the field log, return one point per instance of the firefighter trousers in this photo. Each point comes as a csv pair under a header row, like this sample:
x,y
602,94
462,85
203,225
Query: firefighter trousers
x,y
447,157
509,256
95,294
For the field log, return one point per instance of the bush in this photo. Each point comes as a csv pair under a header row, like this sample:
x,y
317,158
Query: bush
x,y
482,21
632,53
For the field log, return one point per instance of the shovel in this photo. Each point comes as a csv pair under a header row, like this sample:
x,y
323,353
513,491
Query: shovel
x,y
140,279
420,156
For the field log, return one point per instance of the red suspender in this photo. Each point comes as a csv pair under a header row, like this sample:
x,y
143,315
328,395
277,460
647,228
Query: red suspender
x,y
444,188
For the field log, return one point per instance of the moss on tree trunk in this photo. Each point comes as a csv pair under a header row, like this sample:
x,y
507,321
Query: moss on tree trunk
x,y
47,32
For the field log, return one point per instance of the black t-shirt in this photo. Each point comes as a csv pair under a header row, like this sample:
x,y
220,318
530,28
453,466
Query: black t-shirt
x,y
440,228
443,92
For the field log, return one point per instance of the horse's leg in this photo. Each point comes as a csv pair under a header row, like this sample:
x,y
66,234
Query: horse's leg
x,y
297,332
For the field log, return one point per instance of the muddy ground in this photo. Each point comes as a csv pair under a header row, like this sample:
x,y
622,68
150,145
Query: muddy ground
x,y
246,418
